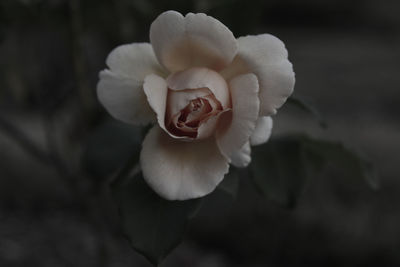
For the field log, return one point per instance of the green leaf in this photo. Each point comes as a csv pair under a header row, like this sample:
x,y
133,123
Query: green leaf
x,y
230,183
281,166
110,146
279,170
154,226
306,107
336,153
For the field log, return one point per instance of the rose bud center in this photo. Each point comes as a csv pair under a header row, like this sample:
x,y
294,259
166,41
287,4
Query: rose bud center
x,y
192,113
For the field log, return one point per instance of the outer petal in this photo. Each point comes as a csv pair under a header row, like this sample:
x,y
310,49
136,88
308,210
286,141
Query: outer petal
x,y
134,61
262,132
266,56
179,170
242,158
123,98
234,133
195,78
194,40
156,91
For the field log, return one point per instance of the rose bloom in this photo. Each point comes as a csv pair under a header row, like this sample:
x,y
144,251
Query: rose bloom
x,y
209,95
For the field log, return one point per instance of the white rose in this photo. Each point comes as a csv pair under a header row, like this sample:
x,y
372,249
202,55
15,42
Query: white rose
x,y
210,95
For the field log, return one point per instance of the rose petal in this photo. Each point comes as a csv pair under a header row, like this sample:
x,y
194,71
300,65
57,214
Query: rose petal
x,y
235,132
265,56
156,91
179,170
208,128
124,98
262,132
203,112
195,78
194,40
134,61
177,100
242,157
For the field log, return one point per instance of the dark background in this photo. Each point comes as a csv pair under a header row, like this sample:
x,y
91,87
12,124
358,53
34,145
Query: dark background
x,y
346,58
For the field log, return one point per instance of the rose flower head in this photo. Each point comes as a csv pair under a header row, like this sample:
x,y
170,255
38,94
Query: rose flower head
x,y
209,95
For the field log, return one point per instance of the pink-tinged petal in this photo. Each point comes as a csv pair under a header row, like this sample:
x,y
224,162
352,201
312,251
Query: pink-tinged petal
x,y
238,125
262,132
209,127
195,78
156,91
179,170
177,100
242,157
266,57
192,113
124,98
194,40
134,61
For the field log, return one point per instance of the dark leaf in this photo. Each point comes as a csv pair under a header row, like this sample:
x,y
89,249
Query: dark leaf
x,y
281,166
337,154
110,147
230,184
279,170
303,105
154,226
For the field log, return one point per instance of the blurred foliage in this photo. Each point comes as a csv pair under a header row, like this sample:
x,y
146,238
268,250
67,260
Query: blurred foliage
x,y
53,50
111,146
2,23
57,47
